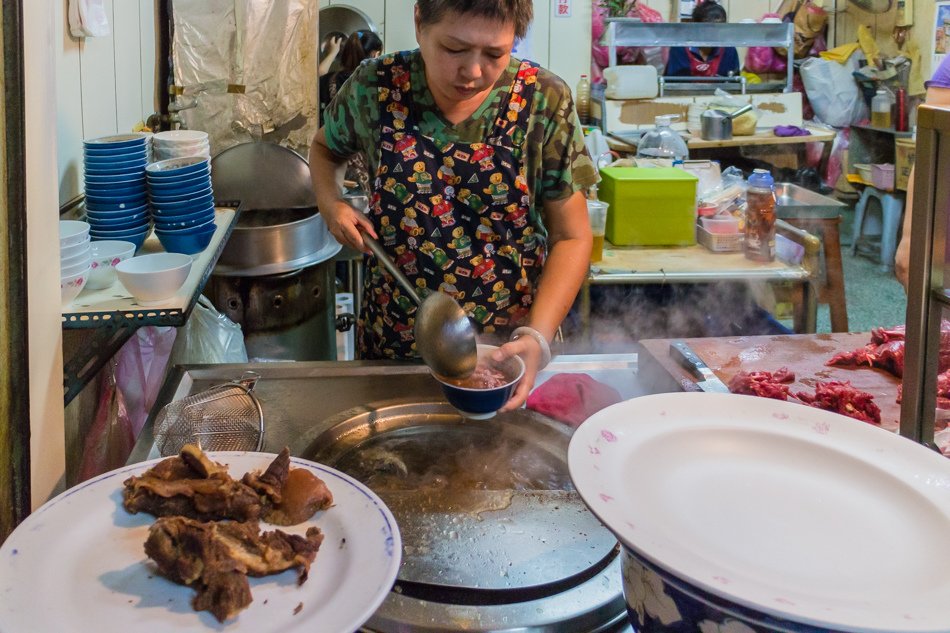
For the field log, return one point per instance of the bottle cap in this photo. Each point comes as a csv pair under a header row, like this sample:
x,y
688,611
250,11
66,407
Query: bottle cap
x,y
761,178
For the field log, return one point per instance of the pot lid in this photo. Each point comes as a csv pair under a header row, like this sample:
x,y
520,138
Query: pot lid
x,y
261,175
481,506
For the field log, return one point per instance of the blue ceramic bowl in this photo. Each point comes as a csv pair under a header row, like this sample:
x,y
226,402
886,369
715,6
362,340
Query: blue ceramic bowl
x,y
120,234
184,206
481,404
187,244
137,238
117,222
161,184
116,141
100,192
106,212
114,203
171,222
169,192
163,200
115,181
137,158
123,172
198,227
178,167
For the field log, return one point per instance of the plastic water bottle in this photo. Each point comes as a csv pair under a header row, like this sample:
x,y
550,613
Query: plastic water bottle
x,y
663,142
583,99
759,244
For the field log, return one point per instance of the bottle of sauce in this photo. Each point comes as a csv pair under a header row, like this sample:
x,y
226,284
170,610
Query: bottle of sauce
x,y
881,109
759,243
583,99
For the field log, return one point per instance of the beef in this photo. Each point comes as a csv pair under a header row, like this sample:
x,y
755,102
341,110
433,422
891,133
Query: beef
x,y
484,377
886,351
765,384
290,496
215,558
843,398
191,485
943,391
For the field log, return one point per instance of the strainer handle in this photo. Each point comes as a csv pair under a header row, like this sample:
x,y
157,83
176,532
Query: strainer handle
x,y
248,379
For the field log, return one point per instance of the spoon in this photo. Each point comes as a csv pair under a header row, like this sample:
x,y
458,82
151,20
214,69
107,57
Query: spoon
x,y
445,337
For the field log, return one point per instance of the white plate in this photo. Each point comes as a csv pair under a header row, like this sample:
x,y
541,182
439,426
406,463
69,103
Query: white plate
x,y
78,564
797,512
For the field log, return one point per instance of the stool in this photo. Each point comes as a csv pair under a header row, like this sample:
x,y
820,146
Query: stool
x,y
892,210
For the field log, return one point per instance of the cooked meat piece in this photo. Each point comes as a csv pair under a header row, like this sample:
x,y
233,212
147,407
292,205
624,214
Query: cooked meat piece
x,y
215,558
484,377
302,495
193,486
269,483
765,384
842,398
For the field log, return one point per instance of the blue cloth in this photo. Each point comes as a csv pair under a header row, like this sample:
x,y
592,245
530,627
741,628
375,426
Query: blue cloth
x,y
678,64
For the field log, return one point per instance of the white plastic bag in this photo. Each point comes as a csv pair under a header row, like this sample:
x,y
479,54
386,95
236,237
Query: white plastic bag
x,y
208,337
87,18
832,91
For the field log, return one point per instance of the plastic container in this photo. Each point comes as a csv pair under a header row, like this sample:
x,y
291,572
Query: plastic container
x,y
649,206
882,176
583,99
597,214
722,224
759,243
881,109
662,142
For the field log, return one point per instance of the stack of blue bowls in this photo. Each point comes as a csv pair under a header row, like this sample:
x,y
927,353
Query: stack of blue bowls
x,y
116,198
179,190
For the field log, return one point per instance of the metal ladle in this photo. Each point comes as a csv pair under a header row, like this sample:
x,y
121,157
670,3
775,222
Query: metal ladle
x,y
445,337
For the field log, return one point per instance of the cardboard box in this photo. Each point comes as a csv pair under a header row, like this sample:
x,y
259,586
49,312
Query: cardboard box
x,y
905,151
649,206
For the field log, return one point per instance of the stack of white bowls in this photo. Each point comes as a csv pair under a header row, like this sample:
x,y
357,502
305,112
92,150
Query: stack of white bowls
x,y
180,144
116,199
74,259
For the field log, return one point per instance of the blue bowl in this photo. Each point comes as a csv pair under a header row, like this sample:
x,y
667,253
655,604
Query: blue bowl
x,y
115,181
163,199
178,167
114,203
187,244
183,206
120,234
128,226
98,191
123,170
198,227
179,189
178,181
135,158
478,403
184,220
108,210
138,239
122,214
95,217
116,141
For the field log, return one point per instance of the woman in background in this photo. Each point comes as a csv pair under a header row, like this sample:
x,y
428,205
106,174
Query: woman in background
x,y
360,45
704,62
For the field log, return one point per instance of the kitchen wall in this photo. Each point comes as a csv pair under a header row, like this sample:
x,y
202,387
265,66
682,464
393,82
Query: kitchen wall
x,y
104,85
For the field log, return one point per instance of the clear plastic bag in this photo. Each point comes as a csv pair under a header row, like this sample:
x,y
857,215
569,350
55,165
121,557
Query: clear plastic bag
x,y
832,92
208,337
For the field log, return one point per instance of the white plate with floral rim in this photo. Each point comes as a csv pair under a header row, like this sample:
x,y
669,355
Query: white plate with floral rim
x,y
78,564
801,513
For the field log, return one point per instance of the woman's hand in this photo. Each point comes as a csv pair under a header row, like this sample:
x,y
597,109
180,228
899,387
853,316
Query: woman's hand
x,y
530,352
347,225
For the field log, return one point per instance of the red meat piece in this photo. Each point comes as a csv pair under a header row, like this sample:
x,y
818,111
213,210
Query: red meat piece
x,y
943,391
765,384
842,398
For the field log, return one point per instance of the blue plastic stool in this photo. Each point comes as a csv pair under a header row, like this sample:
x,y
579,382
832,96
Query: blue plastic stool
x,y
892,211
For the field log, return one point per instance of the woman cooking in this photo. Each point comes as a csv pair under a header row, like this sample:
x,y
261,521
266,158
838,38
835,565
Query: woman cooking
x,y
479,166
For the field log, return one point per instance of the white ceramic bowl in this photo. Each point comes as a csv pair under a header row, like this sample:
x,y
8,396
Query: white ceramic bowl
x,y
105,256
81,255
155,277
73,269
180,136
71,286
72,232
77,248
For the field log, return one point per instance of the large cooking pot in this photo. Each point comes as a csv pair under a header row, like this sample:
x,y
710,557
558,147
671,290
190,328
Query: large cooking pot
x,y
717,125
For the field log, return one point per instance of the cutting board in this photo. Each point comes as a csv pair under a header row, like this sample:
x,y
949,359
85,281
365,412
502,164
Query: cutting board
x,y
804,354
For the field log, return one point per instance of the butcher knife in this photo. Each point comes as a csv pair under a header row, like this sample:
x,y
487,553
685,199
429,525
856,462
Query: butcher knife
x,y
705,378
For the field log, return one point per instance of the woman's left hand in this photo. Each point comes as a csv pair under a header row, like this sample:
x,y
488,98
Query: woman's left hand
x,y
530,352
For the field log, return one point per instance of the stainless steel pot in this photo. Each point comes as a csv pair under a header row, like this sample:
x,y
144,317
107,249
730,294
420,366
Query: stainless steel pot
x,y
717,125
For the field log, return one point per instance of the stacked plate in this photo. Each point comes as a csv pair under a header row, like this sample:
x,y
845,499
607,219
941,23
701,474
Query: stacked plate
x,y
74,259
116,199
182,203
180,144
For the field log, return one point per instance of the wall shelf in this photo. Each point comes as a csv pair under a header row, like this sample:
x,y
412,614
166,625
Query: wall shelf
x,y
97,323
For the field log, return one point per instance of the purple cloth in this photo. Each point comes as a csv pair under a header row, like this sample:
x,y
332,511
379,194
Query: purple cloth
x,y
941,78
790,130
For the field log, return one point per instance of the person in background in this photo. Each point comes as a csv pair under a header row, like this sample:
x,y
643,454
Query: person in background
x,y
359,45
479,171
704,62
938,94
329,48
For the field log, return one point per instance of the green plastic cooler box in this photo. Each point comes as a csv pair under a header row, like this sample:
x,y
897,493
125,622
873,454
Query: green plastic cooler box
x,y
649,206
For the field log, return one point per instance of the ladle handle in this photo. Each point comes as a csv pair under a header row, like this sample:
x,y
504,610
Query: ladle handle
x,y
383,259
741,111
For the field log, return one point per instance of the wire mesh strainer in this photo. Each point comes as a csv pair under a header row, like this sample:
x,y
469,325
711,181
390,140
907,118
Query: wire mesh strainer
x,y
226,417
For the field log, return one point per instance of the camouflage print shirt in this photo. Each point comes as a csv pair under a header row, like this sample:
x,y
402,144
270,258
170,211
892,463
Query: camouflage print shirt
x,y
556,158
